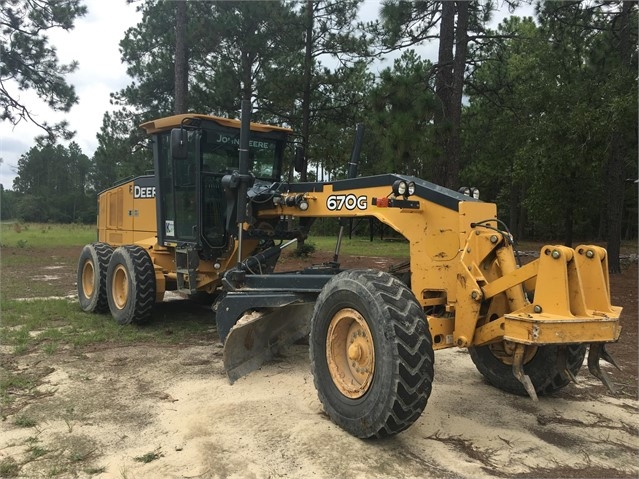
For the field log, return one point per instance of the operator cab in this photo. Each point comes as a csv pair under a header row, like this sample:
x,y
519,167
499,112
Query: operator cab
x,y
192,153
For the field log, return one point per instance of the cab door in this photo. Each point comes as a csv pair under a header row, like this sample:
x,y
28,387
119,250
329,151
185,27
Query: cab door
x,y
178,189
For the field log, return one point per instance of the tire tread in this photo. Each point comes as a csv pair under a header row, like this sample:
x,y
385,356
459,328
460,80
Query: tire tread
x,y
414,358
103,252
99,254
142,278
542,369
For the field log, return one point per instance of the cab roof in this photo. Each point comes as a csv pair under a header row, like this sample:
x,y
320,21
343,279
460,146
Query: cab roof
x,y
175,121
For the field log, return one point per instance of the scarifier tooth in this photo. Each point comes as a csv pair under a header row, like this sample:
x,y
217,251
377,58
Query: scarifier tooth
x,y
518,371
570,375
563,367
606,356
594,355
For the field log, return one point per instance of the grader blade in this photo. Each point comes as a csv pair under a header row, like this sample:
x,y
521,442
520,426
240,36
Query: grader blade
x,y
259,336
597,352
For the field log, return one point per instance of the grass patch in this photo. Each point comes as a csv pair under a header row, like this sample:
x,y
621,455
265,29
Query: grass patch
x,y
23,420
95,470
36,452
19,257
9,467
360,246
47,326
43,235
149,456
12,384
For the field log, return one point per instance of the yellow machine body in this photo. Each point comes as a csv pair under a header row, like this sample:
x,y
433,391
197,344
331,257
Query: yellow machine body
x,y
471,273
127,215
209,222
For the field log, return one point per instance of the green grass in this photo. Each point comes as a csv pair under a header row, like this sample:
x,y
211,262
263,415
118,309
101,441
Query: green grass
x,y
360,246
49,325
9,467
36,452
11,382
43,235
24,421
149,456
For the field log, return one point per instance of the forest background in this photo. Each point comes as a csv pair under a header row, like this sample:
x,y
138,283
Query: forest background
x,y
540,113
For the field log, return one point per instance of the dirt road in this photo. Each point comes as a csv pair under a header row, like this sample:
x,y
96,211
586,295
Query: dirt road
x,y
117,408
159,411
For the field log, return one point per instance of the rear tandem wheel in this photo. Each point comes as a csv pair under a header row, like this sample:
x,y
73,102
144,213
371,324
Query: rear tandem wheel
x,y
91,280
371,353
130,285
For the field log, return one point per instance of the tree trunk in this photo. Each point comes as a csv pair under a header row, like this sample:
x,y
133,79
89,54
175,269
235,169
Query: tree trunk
x,y
449,86
568,226
615,190
515,208
306,93
181,59
616,160
523,218
459,67
444,90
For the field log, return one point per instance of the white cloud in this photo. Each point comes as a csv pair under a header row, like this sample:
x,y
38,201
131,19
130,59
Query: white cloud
x,y
94,43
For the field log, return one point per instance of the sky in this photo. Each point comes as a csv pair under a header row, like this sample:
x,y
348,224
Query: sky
x,y
94,43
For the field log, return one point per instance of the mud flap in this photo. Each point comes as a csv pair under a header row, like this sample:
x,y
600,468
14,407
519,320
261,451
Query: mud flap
x,y
258,337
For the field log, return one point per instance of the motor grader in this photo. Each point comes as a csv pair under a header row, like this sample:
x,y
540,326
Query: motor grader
x,y
215,216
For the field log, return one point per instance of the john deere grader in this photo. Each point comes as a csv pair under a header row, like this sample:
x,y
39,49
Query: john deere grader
x,y
216,214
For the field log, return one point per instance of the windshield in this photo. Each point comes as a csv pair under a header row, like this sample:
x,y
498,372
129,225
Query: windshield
x,y
220,153
192,200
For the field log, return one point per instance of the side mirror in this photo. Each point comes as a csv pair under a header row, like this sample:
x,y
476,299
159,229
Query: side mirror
x,y
178,143
299,159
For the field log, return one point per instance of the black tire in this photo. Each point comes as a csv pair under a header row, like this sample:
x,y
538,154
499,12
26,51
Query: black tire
x,y
130,285
91,280
396,392
542,368
202,298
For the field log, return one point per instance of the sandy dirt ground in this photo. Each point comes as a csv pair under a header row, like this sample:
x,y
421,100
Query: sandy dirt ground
x,y
168,411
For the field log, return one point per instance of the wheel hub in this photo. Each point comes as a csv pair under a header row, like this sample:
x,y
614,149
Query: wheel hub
x,y
120,287
350,353
505,350
88,284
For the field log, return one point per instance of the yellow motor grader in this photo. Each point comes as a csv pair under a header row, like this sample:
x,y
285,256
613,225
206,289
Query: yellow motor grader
x,y
215,216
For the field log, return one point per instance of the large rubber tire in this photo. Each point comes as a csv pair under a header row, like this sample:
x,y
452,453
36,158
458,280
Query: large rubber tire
x,y
130,285
91,280
394,394
202,298
542,368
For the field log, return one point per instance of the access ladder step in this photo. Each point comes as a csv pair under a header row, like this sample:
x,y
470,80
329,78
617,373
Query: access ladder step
x,y
186,263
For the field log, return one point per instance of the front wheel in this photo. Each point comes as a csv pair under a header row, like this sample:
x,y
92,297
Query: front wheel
x,y
541,364
130,285
91,279
371,353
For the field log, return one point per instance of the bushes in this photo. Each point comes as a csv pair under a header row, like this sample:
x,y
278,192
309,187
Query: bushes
x,y
61,209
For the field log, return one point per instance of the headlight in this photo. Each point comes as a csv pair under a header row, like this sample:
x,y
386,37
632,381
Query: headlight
x,y
464,190
474,192
399,188
411,188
